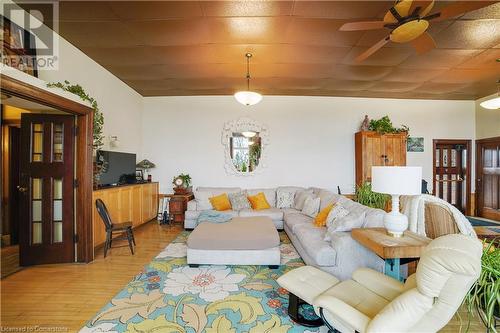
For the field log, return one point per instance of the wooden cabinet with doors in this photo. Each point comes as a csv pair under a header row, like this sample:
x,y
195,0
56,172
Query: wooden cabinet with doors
x,y
129,203
374,149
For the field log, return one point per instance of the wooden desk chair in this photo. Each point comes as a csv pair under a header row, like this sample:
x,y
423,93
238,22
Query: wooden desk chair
x,y
124,229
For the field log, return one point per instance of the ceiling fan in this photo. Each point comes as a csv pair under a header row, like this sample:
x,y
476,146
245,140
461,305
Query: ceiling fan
x,y
408,21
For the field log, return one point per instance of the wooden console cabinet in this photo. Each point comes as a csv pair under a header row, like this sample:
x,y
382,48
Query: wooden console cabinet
x,y
374,149
137,203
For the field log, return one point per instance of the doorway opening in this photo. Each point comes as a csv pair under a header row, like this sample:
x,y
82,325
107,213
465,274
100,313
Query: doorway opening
x,y
452,172
488,178
38,157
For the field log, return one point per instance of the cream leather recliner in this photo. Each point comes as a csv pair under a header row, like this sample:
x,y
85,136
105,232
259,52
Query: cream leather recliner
x,y
373,302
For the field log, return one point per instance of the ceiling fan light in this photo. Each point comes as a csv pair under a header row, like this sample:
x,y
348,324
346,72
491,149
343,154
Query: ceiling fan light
x,y
491,104
248,97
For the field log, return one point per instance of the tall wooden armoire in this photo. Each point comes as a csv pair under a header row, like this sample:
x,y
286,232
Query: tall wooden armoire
x,y
374,149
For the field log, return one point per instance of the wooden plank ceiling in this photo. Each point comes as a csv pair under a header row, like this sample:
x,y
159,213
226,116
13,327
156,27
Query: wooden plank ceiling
x,y
165,48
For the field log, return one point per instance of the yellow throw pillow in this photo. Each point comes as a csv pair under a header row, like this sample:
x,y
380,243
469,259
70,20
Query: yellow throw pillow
x,y
320,219
259,201
220,202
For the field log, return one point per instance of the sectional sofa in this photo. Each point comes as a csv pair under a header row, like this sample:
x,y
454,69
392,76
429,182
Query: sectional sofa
x,y
340,255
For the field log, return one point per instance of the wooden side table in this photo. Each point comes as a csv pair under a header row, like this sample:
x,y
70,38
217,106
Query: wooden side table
x,y
177,205
394,250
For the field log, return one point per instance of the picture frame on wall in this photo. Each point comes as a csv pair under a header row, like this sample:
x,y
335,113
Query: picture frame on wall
x,y
415,144
18,47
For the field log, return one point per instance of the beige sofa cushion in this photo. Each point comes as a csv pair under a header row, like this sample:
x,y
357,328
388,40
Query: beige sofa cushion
x,y
274,214
312,240
241,233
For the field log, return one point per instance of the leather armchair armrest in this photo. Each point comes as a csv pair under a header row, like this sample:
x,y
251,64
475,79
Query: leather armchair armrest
x,y
191,205
343,312
379,283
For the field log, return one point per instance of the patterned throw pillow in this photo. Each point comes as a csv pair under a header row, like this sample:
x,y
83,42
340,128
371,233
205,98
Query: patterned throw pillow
x,y
239,201
284,199
311,207
338,211
348,222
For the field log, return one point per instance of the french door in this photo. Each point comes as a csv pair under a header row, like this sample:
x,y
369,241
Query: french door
x,y
451,172
46,189
488,178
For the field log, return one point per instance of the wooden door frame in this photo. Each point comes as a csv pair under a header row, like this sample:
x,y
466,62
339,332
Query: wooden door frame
x,y
83,160
479,158
468,145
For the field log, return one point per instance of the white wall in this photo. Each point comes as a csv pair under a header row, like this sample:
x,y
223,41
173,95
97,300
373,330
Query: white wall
x,y
487,121
120,104
311,138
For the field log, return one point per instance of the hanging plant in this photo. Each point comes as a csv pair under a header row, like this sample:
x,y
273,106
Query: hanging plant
x,y
384,126
76,89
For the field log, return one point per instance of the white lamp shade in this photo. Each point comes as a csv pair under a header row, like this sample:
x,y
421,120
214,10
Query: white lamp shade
x,y
248,97
491,104
397,180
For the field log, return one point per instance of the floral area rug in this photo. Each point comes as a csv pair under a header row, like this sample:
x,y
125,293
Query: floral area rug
x,y
169,296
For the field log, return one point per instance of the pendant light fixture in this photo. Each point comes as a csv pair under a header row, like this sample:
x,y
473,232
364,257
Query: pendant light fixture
x,y
492,103
247,97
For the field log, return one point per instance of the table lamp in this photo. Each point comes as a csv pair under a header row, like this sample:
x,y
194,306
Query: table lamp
x,y
146,165
396,181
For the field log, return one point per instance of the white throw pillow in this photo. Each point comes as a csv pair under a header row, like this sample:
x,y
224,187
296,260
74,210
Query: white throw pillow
x,y
284,199
311,207
300,198
202,201
348,222
337,211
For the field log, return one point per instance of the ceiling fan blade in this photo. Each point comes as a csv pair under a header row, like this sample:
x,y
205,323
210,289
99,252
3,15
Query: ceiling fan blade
x,y
459,8
356,26
372,49
423,6
424,43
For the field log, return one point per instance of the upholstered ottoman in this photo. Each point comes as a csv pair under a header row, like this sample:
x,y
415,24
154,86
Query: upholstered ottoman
x,y
240,241
304,284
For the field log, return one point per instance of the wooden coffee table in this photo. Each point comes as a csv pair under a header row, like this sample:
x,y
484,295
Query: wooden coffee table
x,y
394,250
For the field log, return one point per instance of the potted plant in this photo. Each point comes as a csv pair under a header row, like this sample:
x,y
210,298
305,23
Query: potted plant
x,y
384,126
182,184
484,296
365,196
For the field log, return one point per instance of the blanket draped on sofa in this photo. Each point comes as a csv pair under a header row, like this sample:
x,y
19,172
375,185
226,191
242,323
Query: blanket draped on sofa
x,y
414,207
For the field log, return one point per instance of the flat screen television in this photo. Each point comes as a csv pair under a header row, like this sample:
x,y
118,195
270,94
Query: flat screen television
x,y
115,165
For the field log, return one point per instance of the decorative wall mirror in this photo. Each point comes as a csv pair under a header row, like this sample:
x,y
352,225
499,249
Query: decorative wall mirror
x,y
245,142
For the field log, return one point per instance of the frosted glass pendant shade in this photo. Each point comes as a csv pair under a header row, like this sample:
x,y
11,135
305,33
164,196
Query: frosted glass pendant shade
x,y
491,104
248,97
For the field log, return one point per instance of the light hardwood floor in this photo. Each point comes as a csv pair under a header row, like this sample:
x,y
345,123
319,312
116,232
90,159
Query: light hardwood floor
x,y
68,295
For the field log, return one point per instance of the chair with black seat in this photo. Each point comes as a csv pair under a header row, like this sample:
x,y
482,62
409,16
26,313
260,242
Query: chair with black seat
x,y
125,229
